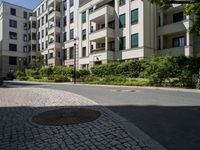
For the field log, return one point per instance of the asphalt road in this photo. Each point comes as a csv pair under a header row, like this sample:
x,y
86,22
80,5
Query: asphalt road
x,y
170,117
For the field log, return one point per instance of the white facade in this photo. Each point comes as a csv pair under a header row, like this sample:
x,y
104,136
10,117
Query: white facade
x,y
101,31
14,32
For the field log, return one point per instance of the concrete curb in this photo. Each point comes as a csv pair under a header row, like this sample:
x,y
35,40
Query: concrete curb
x,y
112,86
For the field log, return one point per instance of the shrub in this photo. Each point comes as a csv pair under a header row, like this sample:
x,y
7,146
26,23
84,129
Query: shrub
x,y
19,73
61,78
128,69
113,79
159,69
22,78
37,77
46,72
32,72
11,76
82,73
90,79
65,71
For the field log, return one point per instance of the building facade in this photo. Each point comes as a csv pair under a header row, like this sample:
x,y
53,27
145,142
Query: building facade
x,y
92,32
14,37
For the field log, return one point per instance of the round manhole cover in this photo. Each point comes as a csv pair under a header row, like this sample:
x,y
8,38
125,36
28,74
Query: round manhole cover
x,y
66,116
121,90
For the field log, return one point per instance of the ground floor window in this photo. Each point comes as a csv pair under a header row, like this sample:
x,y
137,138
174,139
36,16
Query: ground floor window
x,y
12,60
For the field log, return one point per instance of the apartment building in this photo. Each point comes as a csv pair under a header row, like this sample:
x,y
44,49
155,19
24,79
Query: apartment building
x,y
115,30
92,32
14,37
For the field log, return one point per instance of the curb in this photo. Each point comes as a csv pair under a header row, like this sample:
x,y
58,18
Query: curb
x,y
112,86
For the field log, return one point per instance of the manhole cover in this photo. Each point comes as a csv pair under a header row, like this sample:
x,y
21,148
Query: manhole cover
x,y
120,90
66,116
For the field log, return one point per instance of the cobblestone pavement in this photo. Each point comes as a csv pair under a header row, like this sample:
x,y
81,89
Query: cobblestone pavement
x,y
18,132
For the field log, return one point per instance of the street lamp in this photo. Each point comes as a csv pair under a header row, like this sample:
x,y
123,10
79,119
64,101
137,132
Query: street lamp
x,y
20,63
75,61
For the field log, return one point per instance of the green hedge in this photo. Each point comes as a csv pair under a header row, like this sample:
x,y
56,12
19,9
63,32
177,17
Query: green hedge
x,y
127,69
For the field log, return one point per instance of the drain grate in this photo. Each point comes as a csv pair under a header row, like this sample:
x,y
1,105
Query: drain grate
x,y
66,116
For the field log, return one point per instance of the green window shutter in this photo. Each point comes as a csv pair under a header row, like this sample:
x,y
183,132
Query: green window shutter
x,y
122,43
83,17
134,40
134,16
122,20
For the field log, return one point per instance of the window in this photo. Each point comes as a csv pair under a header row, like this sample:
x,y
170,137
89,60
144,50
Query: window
x,y
25,26
122,43
42,21
84,52
25,38
134,40
71,3
134,16
122,21
64,21
13,23
43,8
42,33
13,35
65,5
13,11
38,22
84,17
65,37
46,18
71,17
91,10
179,41
71,36
46,43
122,2
51,55
91,29
178,17
25,15
38,35
13,47
25,49
42,45
12,60
84,34
71,53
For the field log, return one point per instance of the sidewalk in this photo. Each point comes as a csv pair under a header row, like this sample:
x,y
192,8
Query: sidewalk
x,y
110,131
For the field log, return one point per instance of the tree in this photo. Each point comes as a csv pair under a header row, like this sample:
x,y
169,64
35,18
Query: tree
x,y
191,7
37,62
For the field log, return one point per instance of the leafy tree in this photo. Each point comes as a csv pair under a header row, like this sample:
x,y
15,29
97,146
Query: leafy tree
x,y
192,7
37,62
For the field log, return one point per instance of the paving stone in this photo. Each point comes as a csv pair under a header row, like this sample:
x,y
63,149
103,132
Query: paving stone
x,y
17,130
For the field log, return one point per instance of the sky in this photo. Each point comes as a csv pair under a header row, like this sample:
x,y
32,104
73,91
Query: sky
x,y
25,3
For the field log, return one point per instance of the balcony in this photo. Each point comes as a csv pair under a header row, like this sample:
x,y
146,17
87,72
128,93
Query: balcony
x,y
106,9
53,14
53,29
32,18
177,51
102,33
54,45
174,27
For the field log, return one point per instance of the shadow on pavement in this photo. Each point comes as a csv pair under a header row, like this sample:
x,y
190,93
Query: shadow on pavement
x,y
176,128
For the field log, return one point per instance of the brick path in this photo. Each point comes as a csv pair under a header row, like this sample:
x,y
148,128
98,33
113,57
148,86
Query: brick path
x,y
18,132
